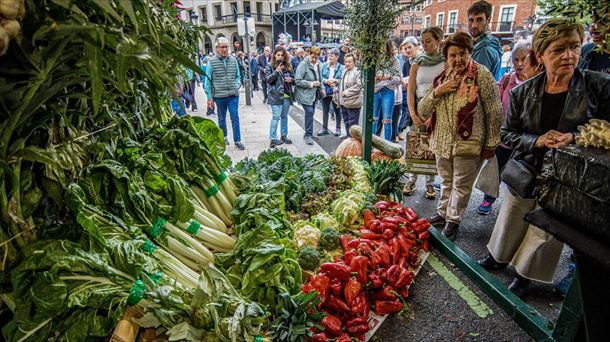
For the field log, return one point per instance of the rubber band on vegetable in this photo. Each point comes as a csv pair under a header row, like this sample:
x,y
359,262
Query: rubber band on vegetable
x,y
136,293
193,228
156,277
157,228
211,191
221,177
149,247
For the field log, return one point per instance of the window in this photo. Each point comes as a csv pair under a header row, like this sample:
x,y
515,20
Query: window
x,y
218,12
428,3
452,24
427,20
247,9
507,16
440,17
277,7
259,11
204,15
419,8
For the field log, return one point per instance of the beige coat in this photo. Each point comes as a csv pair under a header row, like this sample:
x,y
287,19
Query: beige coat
x,y
350,93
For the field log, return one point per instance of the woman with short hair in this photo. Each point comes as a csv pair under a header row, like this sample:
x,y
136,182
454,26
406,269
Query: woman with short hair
x,y
465,117
308,80
349,93
544,114
332,71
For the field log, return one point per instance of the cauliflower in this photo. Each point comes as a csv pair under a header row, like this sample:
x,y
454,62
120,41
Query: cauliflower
x,y
306,234
325,220
346,208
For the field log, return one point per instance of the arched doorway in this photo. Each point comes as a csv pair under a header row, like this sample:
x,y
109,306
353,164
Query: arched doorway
x,y
236,38
207,44
261,41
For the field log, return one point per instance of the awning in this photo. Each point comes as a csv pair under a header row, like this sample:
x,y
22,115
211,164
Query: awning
x,y
325,9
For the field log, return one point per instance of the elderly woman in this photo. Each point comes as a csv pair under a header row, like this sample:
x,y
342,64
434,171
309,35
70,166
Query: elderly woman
x,y
544,114
308,80
349,93
465,118
331,74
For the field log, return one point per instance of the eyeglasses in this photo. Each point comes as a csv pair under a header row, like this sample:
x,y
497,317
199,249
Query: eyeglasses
x,y
223,47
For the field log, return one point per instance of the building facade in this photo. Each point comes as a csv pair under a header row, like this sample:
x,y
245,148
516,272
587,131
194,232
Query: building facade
x,y
220,16
411,21
507,17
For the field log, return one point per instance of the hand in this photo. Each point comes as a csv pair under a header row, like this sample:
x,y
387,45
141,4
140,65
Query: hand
x,y
417,121
447,87
405,86
323,91
563,140
279,69
198,84
377,78
548,139
287,79
315,84
488,154
386,78
211,104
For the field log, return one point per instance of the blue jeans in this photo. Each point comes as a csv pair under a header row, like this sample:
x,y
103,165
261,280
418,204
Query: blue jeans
x,y
383,104
309,110
178,107
405,118
230,103
279,112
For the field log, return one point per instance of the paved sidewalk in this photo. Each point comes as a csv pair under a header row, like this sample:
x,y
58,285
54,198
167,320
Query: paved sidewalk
x,y
255,121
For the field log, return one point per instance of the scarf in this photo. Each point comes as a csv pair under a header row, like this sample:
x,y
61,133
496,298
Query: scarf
x,y
425,59
468,90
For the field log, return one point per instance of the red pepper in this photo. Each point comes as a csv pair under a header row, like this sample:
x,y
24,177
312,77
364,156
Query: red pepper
x,y
332,324
376,226
421,225
369,234
392,274
414,260
404,293
360,303
343,338
356,242
365,249
307,287
388,234
375,281
336,270
368,217
394,250
381,273
357,329
405,278
387,293
402,262
320,337
350,290
411,213
423,237
384,307
349,255
345,239
356,321
382,206
337,305
359,264
336,287
397,220
360,337
384,252
388,225
402,242
321,283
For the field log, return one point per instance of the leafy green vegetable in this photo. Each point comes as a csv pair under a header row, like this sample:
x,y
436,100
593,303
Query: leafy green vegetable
x,y
299,314
385,175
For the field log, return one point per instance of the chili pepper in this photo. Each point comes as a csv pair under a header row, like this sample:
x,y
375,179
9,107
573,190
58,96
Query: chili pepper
x,y
336,270
357,329
404,293
386,293
349,255
382,206
332,324
365,249
375,281
350,290
343,338
394,250
356,321
384,252
345,239
405,278
381,273
388,225
394,220
360,303
320,337
307,287
388,234
392,274
369,234
376,226
321,283
336,287
411,212
337,305
423,237
384,307
414,260
404,246
356,242
368,217
402,262
359,264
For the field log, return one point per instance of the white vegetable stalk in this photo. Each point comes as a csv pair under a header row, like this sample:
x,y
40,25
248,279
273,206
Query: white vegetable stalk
x,y
193,243
217,204
206,218
176,269
208,236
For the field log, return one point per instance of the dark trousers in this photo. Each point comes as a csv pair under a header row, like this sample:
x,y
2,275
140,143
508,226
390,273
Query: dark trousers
x,y
405,117
254,82
395,118
327,103
502,155
264,84
351,116
190,89
309,110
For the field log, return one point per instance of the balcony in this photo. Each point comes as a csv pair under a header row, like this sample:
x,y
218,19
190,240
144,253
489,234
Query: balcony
x,y
503,26
232,18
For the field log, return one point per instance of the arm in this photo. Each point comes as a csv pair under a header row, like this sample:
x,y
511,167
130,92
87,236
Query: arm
x,y
411,90
513,131
396,79
299,78
354,89
488,57
428,103
208,83
325,72
492,109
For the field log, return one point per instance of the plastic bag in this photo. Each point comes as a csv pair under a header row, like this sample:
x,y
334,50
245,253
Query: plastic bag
x,y
488,180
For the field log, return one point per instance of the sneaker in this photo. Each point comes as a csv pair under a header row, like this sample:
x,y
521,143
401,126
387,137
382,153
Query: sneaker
x,y
484,208
561,288
275,143
240,146
338,132
309,140
451,230
436,186
286,140
430,193
226,142
194,110
437,220
408,189
323,133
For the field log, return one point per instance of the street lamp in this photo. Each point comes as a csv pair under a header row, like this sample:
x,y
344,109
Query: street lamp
x,y
195,21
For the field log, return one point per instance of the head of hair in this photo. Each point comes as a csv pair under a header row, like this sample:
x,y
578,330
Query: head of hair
x,y
435,31
285,59
334,51
300,50
409,40
389,48
554,29
315,50
461,40
505,48
531,57
352,56
522,45
480,7
221,40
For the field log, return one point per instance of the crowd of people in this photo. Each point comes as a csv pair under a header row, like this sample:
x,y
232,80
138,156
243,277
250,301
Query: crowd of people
x,y
475,99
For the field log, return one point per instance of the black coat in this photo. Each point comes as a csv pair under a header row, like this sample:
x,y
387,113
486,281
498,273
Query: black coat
x,y
262,65
588,97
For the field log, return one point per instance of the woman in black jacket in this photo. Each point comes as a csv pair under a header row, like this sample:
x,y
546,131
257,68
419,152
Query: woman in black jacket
x,y
544,114
279,75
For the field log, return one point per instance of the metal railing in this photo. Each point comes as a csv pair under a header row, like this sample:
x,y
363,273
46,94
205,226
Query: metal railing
x,y
232,18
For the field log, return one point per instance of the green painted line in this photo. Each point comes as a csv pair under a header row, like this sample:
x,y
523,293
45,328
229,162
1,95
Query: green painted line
x,y
476,304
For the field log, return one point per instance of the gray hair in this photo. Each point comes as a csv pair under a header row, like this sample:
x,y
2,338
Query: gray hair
x,y
410,40
520,46
300,50
334,51
221,40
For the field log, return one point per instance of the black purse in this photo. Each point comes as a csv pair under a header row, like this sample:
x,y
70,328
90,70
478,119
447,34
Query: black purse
x,y
520,177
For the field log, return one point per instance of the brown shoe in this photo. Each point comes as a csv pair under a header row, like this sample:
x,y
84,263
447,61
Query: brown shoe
x,y
430,193
451,230
437,220
408,189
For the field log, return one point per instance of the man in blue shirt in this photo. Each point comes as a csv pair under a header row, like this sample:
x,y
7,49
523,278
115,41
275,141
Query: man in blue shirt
x,y
297,58
486,47
222,88
591,58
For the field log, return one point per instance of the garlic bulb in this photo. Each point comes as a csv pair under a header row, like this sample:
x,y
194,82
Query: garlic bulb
x,y
9,8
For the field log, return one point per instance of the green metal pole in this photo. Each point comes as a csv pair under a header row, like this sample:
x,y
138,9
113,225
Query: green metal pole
x,y
367,120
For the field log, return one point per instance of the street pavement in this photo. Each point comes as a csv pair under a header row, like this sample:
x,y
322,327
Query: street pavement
x,y
437,312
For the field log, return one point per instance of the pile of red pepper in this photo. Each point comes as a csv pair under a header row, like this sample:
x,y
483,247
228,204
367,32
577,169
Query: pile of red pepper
x,y
374,273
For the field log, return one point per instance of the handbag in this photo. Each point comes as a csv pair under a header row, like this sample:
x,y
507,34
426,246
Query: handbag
x,y
520,177
466,148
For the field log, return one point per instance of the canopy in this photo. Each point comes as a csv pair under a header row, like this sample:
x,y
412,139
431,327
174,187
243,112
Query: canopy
x,y
326,9
302,21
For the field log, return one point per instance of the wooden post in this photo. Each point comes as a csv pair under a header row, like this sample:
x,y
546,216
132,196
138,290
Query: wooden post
x,y
367,120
